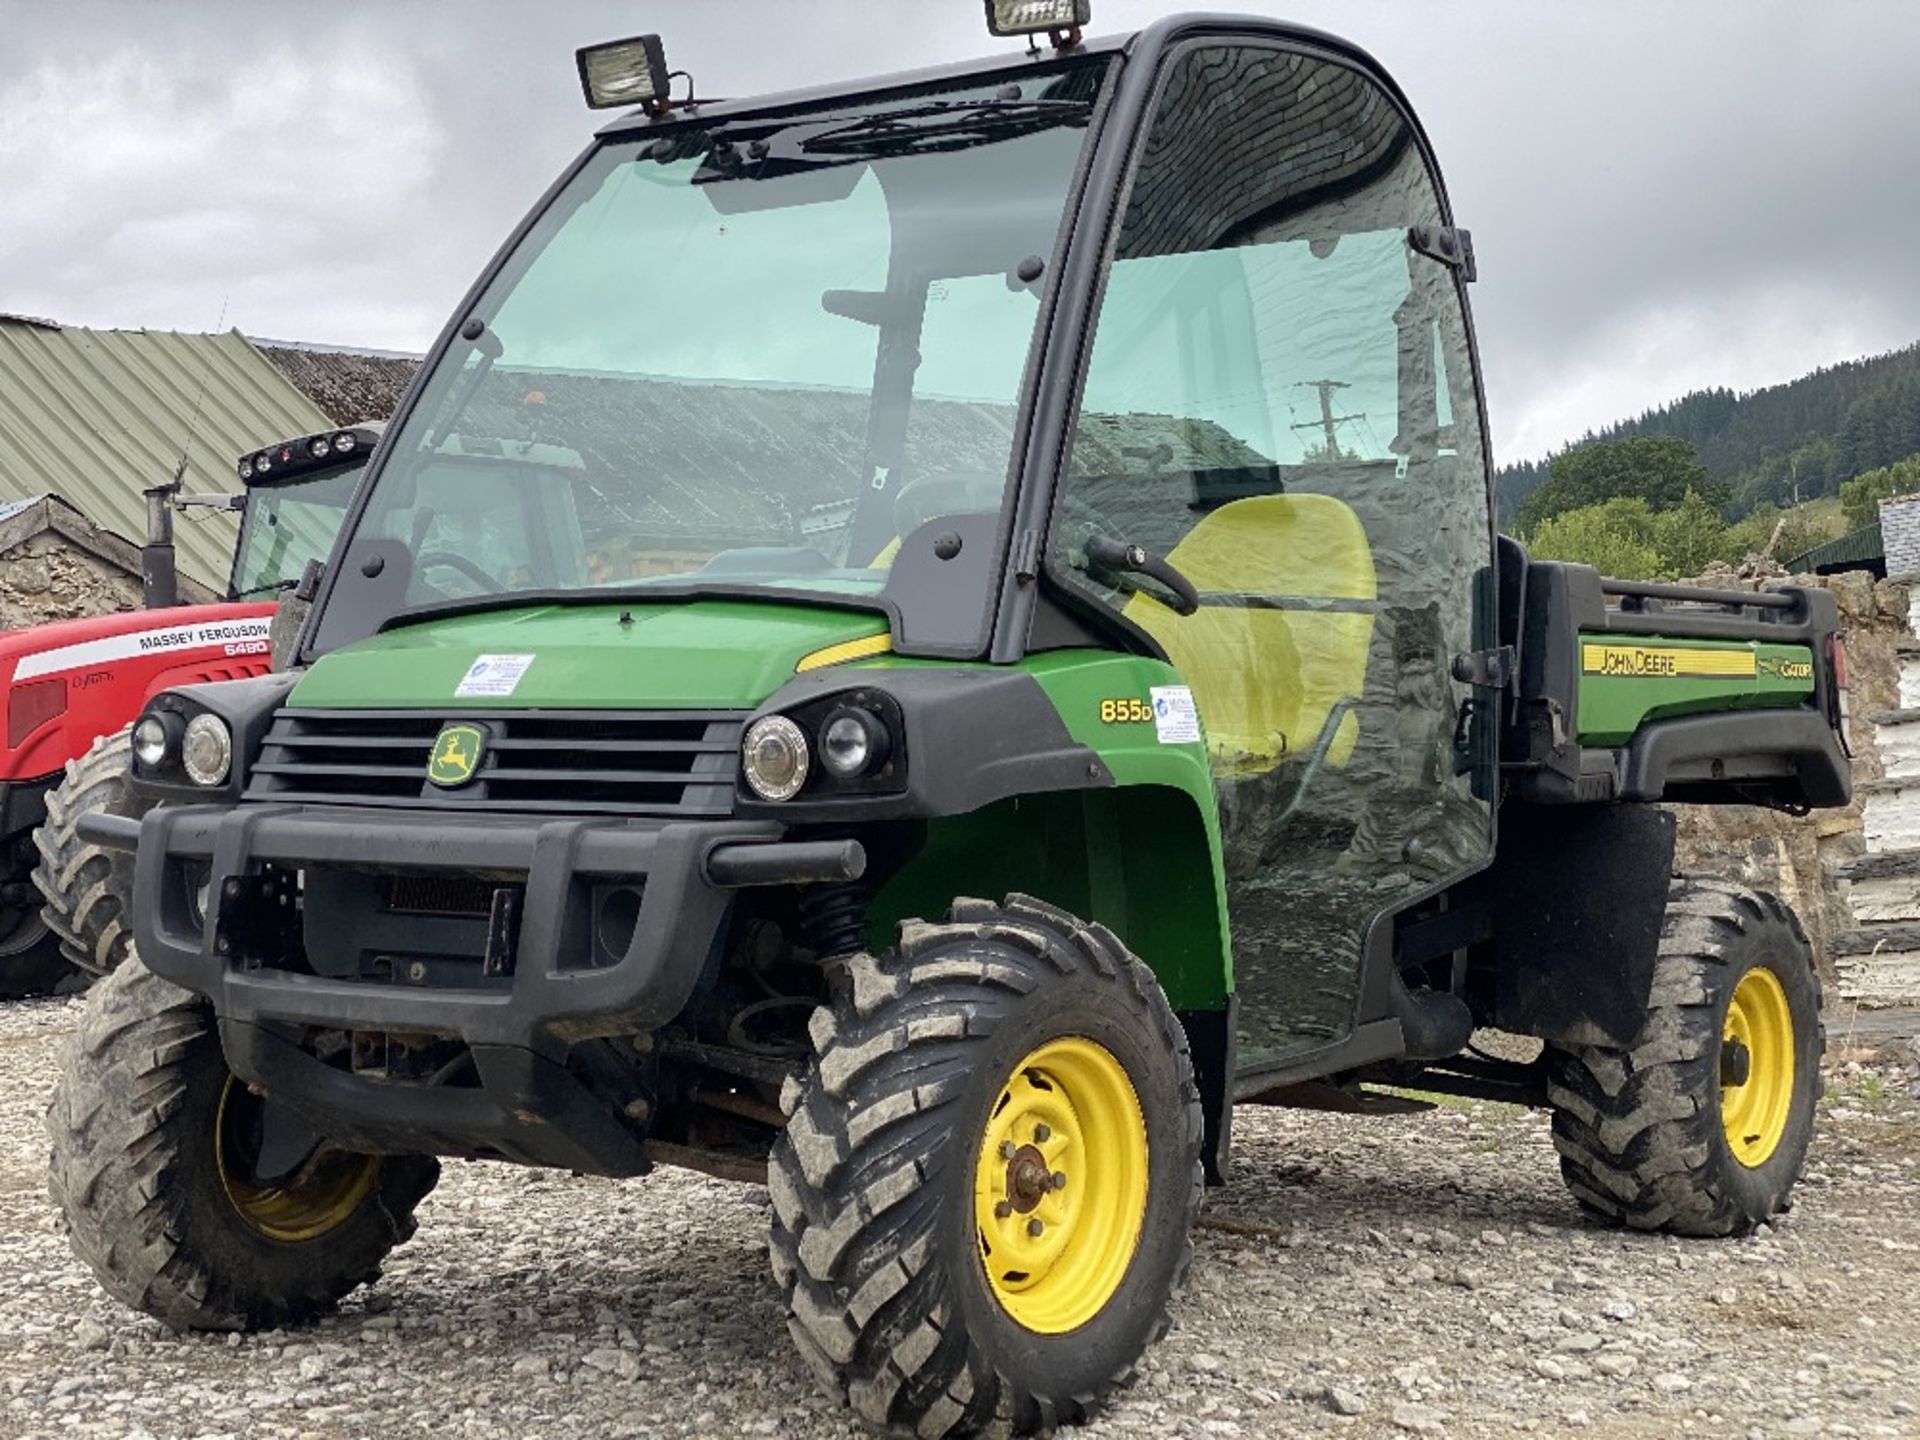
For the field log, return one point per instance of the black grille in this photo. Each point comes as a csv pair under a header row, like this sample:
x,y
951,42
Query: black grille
x,y
436,894
679,762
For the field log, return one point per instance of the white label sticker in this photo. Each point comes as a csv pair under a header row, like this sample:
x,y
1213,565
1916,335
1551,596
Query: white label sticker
x,y
492,675
1174,715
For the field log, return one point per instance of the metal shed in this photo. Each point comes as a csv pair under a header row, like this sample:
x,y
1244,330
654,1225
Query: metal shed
x,y
97,416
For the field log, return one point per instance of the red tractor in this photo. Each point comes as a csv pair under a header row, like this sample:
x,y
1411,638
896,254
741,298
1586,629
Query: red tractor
x,y
73,686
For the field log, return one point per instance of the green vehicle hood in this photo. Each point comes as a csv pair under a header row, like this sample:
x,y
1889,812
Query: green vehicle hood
x,y
693,655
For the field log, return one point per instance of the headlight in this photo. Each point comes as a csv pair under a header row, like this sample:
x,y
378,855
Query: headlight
x,y
852,743
246,468
343,443
320,448
153,740
206,752
1029,17
774,757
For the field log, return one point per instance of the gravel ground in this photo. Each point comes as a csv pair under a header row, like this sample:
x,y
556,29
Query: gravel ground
x,y
1422,1275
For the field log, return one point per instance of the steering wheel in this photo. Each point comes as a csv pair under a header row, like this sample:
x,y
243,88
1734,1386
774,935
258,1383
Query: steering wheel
x,y
466,567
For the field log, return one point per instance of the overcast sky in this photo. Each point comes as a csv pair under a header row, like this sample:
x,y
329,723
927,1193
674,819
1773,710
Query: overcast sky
x,y
1663,196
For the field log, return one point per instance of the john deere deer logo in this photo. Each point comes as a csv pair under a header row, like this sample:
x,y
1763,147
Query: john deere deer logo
x,y
456,755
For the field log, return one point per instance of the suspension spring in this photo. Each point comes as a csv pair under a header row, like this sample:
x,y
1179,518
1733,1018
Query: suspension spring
x,y
833,918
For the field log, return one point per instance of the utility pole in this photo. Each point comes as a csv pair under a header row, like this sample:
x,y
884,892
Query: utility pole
x,y
1328,423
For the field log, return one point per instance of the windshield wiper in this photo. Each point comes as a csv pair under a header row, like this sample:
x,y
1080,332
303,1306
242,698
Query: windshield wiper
x,y
253,590
947,125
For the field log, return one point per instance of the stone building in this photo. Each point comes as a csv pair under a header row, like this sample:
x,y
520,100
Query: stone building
x,y
1878,961
55,564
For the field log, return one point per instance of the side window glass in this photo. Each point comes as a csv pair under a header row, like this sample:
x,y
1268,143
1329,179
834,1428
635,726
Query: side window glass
x,y
1280,402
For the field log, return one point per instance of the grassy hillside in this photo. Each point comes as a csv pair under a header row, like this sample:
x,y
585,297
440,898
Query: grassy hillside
x,y
1782,444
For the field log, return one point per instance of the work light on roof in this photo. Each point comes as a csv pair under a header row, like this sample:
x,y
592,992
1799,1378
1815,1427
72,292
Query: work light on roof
x,y
624,72
1035,17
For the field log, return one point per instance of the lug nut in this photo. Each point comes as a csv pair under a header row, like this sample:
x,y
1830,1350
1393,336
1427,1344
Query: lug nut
x,y
1008,1150
1059,1179
1041,1134
1035,1229
1003,1210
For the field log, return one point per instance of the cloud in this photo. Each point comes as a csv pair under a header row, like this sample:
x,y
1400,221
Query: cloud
x,y
1662,196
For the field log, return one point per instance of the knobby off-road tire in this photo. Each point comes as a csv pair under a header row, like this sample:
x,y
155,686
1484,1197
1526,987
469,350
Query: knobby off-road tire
x,y
877,1242
1641,1131
87,889
31,962
138,1176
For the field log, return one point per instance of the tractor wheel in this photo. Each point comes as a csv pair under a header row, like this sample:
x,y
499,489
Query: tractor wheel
x,y
192,1199
984,1197
30,959
87,888
1701,1126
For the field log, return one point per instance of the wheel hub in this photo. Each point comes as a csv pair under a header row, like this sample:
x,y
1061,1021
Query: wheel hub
x,y
284,1182
1060,1186
1756,1067
1028,1179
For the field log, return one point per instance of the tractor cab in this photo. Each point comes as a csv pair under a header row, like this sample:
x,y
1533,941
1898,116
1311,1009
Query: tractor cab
x,y
295,498
950,360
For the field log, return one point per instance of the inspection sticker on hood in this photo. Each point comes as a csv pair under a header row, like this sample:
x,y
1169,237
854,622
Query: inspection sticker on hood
x,y
494,675
1174,715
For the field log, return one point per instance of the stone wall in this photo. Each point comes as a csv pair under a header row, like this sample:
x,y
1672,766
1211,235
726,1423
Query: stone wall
x,y
57,565
49,578
1804,859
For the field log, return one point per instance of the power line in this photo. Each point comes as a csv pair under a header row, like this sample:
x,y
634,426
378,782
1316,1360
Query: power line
x,y
1328,423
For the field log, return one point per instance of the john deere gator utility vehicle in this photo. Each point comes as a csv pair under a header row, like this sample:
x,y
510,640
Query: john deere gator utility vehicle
x,y
919,643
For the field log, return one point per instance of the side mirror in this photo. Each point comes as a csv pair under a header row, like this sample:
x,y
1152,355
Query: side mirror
x,y
308,585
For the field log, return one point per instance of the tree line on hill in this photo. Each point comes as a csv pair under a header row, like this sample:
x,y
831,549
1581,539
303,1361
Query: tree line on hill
x,y
1717,476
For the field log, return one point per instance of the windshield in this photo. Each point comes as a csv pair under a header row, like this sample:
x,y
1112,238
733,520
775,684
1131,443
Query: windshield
x,y
775,356
286,525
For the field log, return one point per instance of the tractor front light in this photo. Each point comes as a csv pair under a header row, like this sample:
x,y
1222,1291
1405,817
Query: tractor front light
x,y
624,72
153,740
774,757
1034,17
206,751
853,742
343,443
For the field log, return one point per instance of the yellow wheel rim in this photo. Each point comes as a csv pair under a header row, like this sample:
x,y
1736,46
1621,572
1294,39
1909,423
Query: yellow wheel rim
x,y
1060,1187
1756,1067
321,1197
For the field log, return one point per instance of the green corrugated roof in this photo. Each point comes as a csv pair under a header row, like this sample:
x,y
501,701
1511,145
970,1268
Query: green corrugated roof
x,y
97,416
1853,550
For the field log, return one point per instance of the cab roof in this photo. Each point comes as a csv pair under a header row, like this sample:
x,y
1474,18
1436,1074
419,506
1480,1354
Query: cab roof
x,y
1158,35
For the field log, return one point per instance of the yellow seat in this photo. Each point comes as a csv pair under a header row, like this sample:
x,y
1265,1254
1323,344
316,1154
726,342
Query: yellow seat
x,y
1287,589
